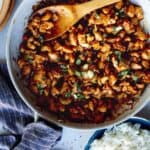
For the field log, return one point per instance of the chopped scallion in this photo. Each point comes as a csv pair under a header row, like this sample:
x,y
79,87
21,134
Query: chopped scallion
x,y
29,58
135,78
78,85
41,39
119,55
117,29
124,73
78,61
64,68
79,96
120,13
78,73
68,94
40,88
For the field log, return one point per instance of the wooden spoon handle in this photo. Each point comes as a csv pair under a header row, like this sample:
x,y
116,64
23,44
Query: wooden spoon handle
x,y
85,8
7,15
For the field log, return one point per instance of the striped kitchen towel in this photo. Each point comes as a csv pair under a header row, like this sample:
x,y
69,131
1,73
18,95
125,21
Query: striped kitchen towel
x,y
18,131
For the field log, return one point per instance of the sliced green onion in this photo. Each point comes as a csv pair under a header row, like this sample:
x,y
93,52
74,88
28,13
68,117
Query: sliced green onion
x,y
117,29
40,88
124,73
119,55
41,39
79,96
29,58
68,94
120,13
78,61
78,73
64,68
78,85
135,78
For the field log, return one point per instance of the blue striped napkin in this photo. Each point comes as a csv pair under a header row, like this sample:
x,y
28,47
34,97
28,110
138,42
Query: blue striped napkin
x,y
18,131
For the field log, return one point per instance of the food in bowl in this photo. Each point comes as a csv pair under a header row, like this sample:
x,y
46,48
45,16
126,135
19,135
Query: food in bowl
x,y
123,137
94,72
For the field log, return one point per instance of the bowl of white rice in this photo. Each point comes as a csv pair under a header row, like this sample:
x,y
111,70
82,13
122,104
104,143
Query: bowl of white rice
x,y
133,134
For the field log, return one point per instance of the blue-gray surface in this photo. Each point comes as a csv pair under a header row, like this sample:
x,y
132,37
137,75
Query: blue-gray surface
x,y
20,132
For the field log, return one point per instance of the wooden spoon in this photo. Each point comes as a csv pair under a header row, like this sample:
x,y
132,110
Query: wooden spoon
x,y
68,15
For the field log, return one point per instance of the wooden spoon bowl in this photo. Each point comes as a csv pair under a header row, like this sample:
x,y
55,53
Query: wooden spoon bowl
x,y
71,14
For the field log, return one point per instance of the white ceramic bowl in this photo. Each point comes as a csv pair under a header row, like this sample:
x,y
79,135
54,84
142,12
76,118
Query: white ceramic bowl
x,y
14,38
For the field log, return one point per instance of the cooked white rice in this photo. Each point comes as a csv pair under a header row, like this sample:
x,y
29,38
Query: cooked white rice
x,y
123,137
